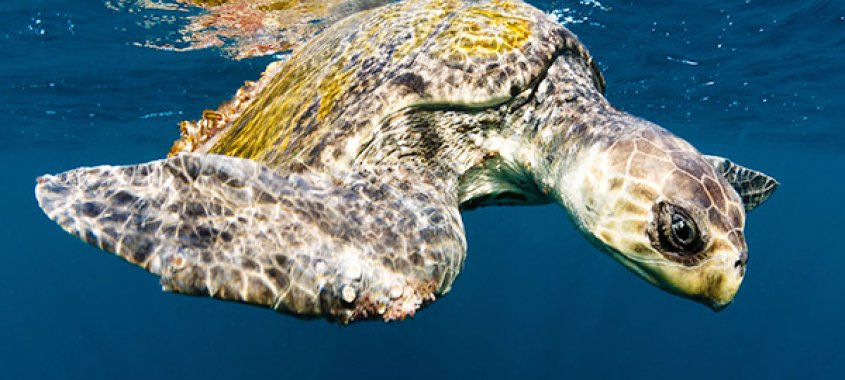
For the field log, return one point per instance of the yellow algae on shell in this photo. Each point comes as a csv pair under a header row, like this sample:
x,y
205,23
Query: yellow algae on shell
x,y
484,31
320,106
331,88
434,14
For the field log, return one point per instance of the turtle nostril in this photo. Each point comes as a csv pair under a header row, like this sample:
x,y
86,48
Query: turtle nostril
x,y
743,259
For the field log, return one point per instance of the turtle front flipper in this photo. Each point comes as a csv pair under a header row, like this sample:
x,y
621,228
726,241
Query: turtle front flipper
x,y
754,187
346,245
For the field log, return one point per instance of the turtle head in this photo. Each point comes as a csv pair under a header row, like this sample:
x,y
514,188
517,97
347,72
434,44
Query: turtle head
x,y
664,211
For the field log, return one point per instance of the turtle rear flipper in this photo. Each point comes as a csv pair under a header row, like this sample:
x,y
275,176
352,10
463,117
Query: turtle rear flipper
x,y
369,244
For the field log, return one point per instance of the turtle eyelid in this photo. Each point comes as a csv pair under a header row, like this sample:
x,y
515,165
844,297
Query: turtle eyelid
x,y
663,236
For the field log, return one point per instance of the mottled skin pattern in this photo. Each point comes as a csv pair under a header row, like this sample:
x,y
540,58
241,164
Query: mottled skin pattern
x,y
332,186
344,245
618,171
751,186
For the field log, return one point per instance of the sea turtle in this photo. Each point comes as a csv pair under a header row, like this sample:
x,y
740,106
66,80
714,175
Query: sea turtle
x,y
333,185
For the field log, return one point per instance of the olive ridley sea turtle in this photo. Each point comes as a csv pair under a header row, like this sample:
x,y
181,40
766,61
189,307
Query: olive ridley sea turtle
x,y
333,185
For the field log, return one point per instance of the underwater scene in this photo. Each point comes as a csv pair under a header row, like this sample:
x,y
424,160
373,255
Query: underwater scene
x,y
108,82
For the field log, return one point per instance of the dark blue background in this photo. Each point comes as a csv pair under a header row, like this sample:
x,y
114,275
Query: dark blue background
x,y
758,81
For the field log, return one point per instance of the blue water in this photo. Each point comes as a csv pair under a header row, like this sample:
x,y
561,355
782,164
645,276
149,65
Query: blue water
x,y
758,81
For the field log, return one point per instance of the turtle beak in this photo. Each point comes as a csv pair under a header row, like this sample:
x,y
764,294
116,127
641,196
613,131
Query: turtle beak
x,y
716,301
718,306
713,284
719,297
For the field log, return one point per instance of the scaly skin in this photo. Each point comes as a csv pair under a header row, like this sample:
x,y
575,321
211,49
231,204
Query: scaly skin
x,y
348,246
614,172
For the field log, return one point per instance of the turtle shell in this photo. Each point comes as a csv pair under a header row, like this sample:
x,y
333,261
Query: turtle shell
x,y
316,107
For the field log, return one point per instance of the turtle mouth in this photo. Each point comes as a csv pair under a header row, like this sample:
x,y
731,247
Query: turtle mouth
x,y
718,306
717,298
713,303
638,268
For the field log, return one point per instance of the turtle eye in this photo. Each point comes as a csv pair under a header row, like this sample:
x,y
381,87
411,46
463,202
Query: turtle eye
x,y
683,230
676,231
